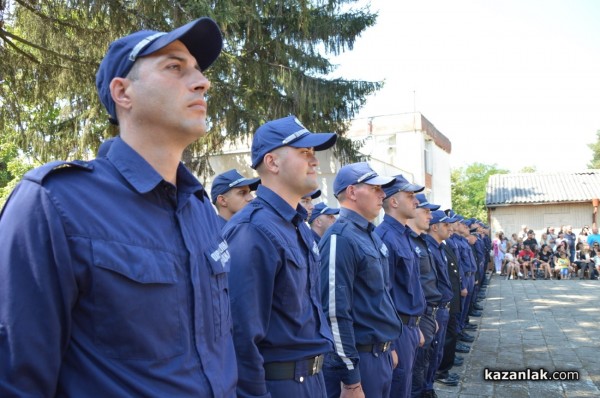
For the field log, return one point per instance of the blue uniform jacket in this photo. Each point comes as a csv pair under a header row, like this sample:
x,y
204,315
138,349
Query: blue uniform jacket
x,y
452,243
427,269
406,291
113,284
355,283
441,263
275,285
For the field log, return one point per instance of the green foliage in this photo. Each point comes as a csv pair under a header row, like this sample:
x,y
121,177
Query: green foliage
x,y
528,169
469,189
12,167
595,147
273,64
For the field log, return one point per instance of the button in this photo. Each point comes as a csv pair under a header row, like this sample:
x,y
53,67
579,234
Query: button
x,y
301,379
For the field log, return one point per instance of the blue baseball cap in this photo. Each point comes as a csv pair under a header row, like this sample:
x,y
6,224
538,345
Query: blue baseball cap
x,y
451,213
313,195
287,131
202,38
224,182
320,209
424,203
439,216
358,173
402,184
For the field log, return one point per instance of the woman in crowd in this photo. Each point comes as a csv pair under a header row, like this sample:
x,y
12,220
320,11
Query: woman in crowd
x,y
583,262
512,266
499,248
545,256
582,237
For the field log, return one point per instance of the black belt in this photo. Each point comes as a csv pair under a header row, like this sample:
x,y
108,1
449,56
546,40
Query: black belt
x,y
291,370
431,310
469,273
407,319
377,347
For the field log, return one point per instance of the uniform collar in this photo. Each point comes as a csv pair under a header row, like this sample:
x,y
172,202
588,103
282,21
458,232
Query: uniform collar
x,y
281,207
142,176
356,218
397,225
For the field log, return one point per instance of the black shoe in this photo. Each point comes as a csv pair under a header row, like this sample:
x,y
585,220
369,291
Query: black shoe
x,y
478,307
462,348
429,394
470,326
466,337
475,313
447,381
458,361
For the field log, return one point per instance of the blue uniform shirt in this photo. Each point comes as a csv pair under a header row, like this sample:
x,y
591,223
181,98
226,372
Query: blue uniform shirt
x,y
406,291
427,269
221,221
113,284
316,236
274,283
355,282
467,259
441,263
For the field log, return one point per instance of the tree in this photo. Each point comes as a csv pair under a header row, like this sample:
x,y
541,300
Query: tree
x,y
469,189
595,147
273,64
528,169
13,166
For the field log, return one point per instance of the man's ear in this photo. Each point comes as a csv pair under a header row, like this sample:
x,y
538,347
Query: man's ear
x,y
119,92
271,162
221,201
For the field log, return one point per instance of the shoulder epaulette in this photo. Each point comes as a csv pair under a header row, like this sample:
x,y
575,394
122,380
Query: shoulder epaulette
x,y
38,174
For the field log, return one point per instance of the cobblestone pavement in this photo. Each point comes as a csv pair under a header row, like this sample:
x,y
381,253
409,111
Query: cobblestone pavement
x,y
549,324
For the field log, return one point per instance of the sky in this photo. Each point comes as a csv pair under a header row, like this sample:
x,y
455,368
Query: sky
x,y
512,83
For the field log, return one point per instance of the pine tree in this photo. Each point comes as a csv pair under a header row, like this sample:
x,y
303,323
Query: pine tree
x,y
274,63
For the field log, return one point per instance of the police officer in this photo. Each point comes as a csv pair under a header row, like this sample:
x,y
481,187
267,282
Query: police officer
x,y
307,202
400,204
355,289
429,283
468,261
321,218
112,280
439,230
280,332
230,192
449,358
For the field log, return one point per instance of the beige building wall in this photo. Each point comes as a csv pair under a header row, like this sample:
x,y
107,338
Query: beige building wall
x,y
509,219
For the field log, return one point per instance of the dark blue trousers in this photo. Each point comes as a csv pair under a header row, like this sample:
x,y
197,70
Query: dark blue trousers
x,y
375,374
427,326
406,348
437,347
307,386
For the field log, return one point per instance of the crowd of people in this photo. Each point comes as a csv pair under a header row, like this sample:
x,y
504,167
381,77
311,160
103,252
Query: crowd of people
x,y
118,278
556,255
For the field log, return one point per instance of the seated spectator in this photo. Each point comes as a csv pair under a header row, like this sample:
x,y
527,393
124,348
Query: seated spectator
x,y
512,266
545,256
563,264
530,240
596,259
583,261
560,240
594,236
550,231
583,235
525,259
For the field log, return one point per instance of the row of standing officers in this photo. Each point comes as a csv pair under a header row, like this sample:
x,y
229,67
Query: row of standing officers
x,y
118,279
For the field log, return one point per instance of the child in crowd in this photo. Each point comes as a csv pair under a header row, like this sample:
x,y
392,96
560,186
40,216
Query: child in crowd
x,y
563,265
512,266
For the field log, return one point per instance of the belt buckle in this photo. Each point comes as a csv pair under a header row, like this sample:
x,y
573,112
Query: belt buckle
x,y
317,364
434,311
417,321
385,346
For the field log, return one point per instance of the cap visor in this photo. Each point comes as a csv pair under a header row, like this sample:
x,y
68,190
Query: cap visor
x,y
319,141
413,188
202,38
381,180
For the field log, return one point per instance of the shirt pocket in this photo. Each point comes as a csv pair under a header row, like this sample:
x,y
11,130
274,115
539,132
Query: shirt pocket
x,y
219,262
374,267
137,302
292,283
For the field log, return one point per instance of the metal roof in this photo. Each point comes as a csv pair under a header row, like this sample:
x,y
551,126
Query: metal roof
x,y
533,188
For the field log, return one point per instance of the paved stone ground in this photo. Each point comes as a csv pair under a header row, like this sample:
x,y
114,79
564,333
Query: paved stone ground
x,y
554,325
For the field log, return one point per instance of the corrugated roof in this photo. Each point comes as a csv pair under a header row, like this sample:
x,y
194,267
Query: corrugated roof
x,y
525,188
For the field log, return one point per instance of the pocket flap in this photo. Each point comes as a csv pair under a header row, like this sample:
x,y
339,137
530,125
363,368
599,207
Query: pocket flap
x,y
137,263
